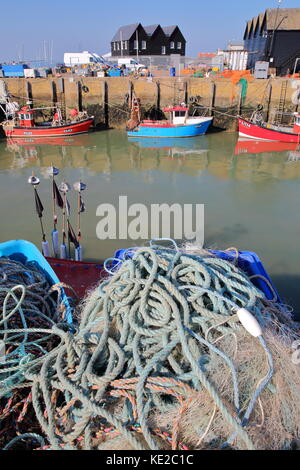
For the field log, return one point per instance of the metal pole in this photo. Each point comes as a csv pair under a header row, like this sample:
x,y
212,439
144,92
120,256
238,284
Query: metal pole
x,y
121,39
296,65
137,46
272,41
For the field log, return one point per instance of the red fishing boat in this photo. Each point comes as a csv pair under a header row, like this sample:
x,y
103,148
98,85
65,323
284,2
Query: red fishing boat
x,y
80,275
24,124
259,130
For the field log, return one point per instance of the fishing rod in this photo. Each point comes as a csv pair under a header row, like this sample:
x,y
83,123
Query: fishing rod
x,y
64,188
56,200
34,181
79,187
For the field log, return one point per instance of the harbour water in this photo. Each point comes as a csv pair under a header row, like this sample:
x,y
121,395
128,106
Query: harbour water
x,y
251,193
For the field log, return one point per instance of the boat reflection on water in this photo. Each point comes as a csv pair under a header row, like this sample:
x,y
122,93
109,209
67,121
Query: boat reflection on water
x,y
260,146
74,141
176,147
28,151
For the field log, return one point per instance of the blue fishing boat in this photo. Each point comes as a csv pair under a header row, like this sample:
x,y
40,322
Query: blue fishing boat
x,y
180,124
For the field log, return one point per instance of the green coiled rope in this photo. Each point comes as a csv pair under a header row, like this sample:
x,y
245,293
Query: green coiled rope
x,y
135,327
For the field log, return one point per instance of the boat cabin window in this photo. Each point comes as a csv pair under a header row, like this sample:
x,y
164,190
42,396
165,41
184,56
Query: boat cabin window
x,y
297,121
179,113
25,116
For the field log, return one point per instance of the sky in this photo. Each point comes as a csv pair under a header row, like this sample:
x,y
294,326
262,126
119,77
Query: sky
x,y
75,25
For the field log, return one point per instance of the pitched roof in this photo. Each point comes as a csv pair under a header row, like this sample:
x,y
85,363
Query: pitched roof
x,y
247,29
169,30
124,33
287,19
282,19
150,29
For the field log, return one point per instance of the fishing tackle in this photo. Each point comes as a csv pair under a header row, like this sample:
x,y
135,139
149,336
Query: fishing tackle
x,y
34,181
56,200
64,188
79,187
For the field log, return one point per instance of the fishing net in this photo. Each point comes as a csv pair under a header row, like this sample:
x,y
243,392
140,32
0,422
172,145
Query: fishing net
x,y
29,307
160,360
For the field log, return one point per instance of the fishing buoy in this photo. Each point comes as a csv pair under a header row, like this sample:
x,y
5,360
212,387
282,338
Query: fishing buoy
x,y
79,186
64,187
46,249
52,171
63,251
78,253
249,322
33,180
55,242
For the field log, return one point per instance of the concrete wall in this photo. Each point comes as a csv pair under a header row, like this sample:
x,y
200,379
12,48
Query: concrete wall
x,y
171,90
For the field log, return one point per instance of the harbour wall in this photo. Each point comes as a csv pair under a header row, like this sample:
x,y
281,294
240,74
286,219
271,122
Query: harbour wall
x,y
108,98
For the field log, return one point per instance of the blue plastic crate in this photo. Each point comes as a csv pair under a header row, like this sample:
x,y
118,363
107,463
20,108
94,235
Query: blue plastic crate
x,y
248,262
16,70
25,252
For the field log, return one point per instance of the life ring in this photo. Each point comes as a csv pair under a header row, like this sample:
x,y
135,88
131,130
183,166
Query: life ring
x,y
85,89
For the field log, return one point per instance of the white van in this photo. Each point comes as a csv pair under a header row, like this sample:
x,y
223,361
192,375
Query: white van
x,y
131,64
82,58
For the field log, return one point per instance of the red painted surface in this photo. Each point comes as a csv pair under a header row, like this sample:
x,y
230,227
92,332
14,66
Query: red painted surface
x,y
73,140
26,118
79,275
260,146
51,131
259,132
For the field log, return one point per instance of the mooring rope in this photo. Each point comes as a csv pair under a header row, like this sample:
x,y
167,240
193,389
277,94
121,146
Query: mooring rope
x,y
143,336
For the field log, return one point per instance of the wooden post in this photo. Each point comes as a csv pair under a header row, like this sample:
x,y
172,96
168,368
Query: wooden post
x,y
269,99
61,85
79,96
157,98
240,100
105,103
186,93
53,92
130,93
61,88
29,93
212,99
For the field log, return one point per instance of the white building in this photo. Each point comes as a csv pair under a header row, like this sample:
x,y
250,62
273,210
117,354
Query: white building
x,y
235,56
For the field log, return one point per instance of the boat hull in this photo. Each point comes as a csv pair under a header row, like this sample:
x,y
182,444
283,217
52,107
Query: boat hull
x,y
253,131
80,275
80,127
165,130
